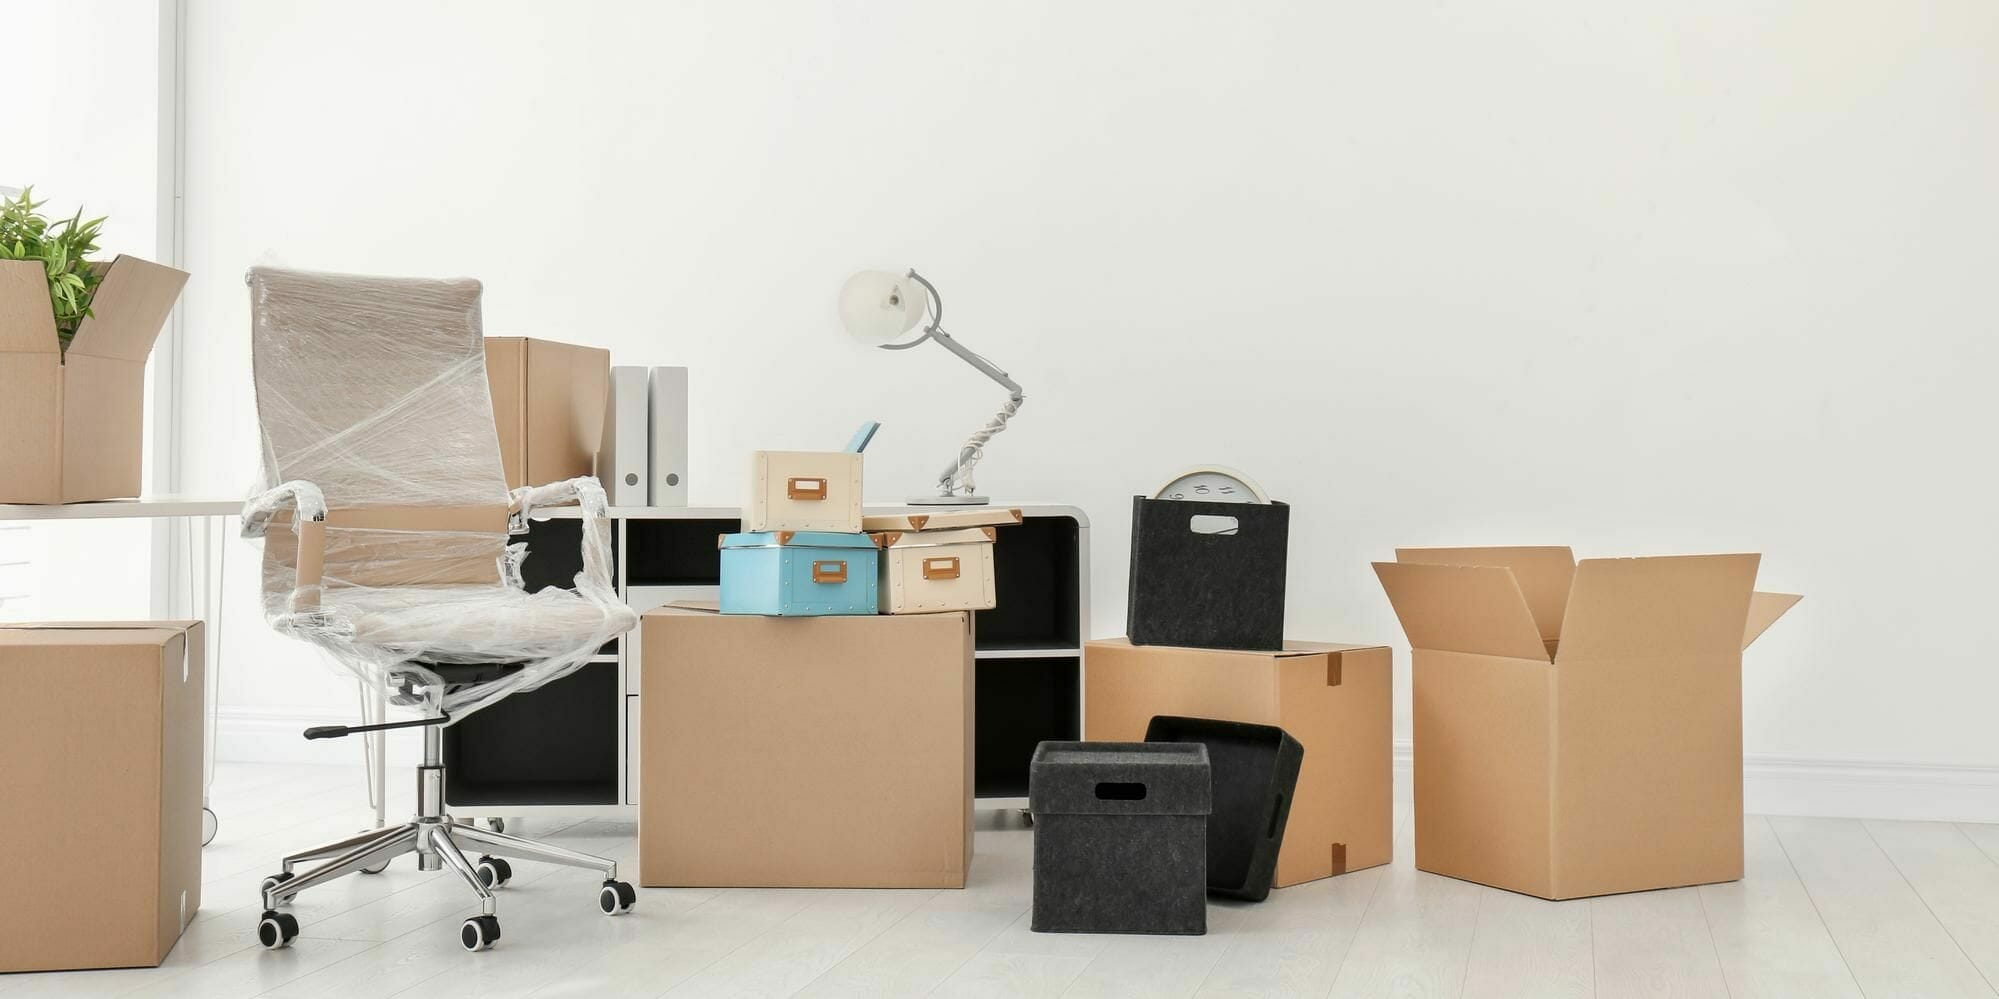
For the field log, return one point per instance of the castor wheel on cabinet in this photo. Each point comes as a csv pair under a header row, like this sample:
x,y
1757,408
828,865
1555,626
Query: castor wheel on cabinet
x,y
276,929
209,824
275,880
479,933
493,872
497,825
1027,817
617,898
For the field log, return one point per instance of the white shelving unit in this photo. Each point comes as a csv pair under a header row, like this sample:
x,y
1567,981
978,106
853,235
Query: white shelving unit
x,y
1029,653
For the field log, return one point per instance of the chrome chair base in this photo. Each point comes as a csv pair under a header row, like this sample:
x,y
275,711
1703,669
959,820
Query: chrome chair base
x,y
437,840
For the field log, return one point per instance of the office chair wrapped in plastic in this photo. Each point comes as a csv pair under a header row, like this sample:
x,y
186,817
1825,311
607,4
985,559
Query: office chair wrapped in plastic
x,y
385,520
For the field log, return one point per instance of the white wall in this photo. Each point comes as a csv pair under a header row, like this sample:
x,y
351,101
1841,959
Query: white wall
x,y
1653,279
80,124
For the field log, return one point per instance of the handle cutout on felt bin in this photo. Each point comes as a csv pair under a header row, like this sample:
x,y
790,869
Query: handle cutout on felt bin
x,y
833,571
800,488
941,568
1212,523
1120,790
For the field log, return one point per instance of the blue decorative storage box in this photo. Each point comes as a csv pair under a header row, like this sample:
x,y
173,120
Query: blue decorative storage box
x,y
798,573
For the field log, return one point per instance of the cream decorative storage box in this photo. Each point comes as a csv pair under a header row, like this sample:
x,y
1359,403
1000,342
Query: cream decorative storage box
x,y
805,491
923,572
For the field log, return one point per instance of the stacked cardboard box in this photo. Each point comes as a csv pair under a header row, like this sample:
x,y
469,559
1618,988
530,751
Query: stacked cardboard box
x,y
810,752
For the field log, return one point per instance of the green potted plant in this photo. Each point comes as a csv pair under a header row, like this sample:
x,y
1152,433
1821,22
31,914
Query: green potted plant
x,y
74,336
62,249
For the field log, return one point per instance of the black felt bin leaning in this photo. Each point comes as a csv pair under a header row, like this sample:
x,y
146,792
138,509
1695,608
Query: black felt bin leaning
x,y
1207,575
1254,770
1120,837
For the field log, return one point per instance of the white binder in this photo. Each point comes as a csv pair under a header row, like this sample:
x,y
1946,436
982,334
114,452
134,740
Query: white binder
x,y
669,436
622,461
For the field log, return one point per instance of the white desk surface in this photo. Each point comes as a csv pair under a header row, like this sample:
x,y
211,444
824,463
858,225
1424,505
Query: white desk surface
x,y
147,506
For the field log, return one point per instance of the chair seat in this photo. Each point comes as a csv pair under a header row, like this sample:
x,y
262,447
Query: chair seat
x,y
476,622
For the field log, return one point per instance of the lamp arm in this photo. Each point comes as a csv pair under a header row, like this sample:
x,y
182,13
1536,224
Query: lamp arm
x,y
974,448
985,367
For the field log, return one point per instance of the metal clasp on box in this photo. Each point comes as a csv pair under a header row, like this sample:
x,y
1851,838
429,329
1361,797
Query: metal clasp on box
x,y
940,568
805,489
829,572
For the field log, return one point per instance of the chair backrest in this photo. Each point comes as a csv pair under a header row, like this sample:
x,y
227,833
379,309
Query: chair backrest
x,y
374,389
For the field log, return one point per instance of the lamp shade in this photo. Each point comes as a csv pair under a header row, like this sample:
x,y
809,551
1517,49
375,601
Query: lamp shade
x,y
876,307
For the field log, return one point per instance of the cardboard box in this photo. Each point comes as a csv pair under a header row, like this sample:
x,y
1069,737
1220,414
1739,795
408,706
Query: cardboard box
x,y
100,773
75,420
818,752
548,403
1578,728
1334,699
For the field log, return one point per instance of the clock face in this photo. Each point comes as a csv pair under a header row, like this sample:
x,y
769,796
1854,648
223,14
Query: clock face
x,y
1212,484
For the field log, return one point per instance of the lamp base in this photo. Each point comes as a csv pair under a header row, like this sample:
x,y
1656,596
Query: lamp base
x,y
952,500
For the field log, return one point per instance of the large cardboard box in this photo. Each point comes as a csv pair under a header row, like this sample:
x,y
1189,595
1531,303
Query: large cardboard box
x,y
1334,699
548,403
100,776
817,752
74,421
1578,728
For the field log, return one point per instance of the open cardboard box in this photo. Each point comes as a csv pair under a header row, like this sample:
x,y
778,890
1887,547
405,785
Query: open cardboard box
x,y
1578,727
75,420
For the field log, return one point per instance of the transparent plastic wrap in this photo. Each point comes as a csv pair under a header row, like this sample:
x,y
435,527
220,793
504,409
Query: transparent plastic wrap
x,y
382,507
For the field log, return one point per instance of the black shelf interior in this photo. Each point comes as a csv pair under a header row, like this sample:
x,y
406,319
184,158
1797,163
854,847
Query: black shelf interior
x,y
664,552
1037,699
555,745
1034,571
555,556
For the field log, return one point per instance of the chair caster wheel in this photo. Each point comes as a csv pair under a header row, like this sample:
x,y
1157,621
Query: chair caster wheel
x,y
379,868
275,880
276,929
617,898
493,872
479,933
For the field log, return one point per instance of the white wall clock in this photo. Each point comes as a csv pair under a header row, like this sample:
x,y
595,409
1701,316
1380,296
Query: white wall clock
x,y
1213,484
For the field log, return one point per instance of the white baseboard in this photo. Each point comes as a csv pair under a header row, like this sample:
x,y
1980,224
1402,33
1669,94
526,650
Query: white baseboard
x,y
1772,785
1831,788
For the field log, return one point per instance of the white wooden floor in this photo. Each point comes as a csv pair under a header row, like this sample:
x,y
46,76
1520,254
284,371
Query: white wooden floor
x,y
1830,908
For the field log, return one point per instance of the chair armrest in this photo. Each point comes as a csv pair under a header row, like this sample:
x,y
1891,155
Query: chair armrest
x,y
310,504
583,491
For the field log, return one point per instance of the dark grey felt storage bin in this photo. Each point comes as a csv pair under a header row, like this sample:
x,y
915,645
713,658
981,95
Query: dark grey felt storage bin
x,y
1254,769
1120,837
1207,590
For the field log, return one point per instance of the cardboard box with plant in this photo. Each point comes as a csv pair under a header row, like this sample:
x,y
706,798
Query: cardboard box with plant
x,y
74,335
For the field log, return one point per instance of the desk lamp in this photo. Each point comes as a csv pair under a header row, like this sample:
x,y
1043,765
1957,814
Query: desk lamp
x,y
878,308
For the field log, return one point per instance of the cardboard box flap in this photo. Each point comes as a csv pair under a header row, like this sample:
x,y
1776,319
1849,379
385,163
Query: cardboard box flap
x,y
1631,608
1764,610
128,309
1460,608
27,320
1543,573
